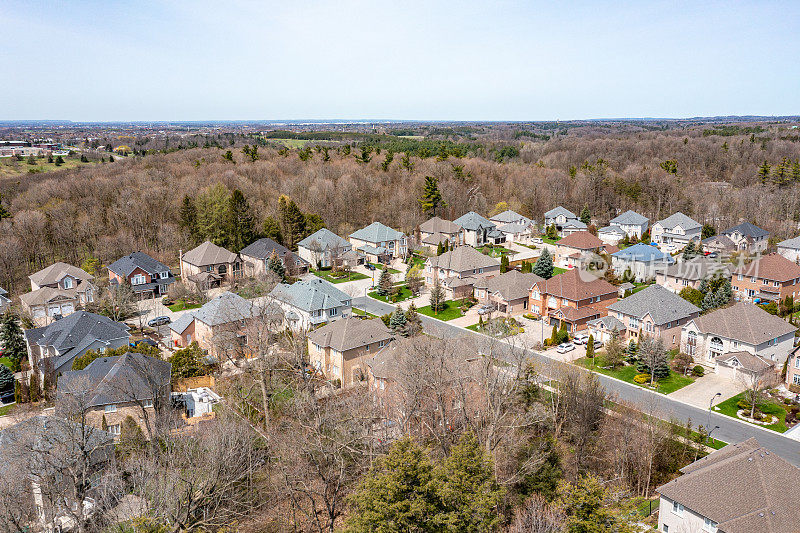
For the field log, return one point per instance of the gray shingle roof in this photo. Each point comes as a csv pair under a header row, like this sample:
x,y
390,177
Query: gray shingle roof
x,y
119,379
462,259
662,305
207,254
643,253
698,268
56,271
630,218
310,295
512,285
793,244
124,266
263,248
377,232
744,322
747,229
349,333
747,361
509,216
575,224
560,211
323,240
607,322
679,219
472,221
616,230
225,308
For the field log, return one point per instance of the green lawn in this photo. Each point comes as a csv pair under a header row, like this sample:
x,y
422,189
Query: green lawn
x,y
495,251
403,293
626,373
418,260
450,311
6,409
181,305
326,275
9,166
729,408
291,143
558,270
361,312
531,246
379,266
6,361
548,240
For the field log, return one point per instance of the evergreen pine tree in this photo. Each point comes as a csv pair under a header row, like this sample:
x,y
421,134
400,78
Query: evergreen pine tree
x,y
18,392
188,216
272,230
703,287
689,252
33,389
553,335
275,264
763,172
590,347
431,197
293,222
4,213
439,249
413,322
661,371
398,322
6,378
104,424
241,228
437,297
385,283
708,301
586,215
504,264
544,265
12,340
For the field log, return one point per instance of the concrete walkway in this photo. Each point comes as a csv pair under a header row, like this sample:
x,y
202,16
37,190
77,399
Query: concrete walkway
x,y
703,389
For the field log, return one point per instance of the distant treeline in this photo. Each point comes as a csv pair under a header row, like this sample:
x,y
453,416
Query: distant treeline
x,y
730,131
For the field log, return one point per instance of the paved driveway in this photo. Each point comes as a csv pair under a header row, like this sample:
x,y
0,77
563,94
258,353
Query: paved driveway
x,y
701,391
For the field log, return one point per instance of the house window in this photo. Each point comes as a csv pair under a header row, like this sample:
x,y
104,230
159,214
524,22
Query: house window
x,y
797,362
536,295
739,277
633,322
148,403
552,302
67,283
685,282
115,429
335,371
648,326
677,508
776,283
164,275
381,344
318,348
709,525
138,279
753,279
111,408
536,309
480,271
796,379
366,348
333,312
525,304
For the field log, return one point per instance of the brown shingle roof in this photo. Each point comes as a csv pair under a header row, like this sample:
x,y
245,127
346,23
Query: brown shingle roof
x,y
349,333
439,225
743,487
462,259
512,285
572,286
773,267
581,240
744,322
207,254
748,361
56,271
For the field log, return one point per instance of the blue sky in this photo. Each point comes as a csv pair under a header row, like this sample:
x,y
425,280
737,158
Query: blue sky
x,y
350,59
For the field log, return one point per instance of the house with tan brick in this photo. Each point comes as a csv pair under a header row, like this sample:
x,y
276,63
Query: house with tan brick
x,y
211,265
577,249
340,350
573,298
379,243
770,277
437,231
111,389
691,273
507,293
458,270
57,291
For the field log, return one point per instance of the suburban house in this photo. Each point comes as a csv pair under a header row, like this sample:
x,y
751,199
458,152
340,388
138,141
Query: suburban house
x,y
611,235
508,293
340,350
436,230
653,311
603,328
323,248
741,327
218,326
632,223
5,302
677,229
742,488
146,276
510,217
641,261
210,265
793,370
770,277
577,249
479,230
307,304
691,273
112,389
572,298
255,257
747,368
719,244
747,236
790,249
62,341
566,221
379,243
458,270
513,226
57,291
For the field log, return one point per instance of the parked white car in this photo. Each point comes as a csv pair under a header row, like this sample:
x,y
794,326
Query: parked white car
x,y
565,347
537,240
580,338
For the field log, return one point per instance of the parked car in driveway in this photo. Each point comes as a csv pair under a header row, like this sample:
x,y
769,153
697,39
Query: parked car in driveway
x,y
149,342
369,266
580,338
598,344
485,309
565,347
537,240
158,321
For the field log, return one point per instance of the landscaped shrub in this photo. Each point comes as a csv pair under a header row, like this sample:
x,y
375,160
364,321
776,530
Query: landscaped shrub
x,y
641,378
698,371
744,405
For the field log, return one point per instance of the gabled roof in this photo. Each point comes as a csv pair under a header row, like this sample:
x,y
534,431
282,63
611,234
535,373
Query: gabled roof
x,y
377,232
747,361
439,225
472,221
615,230
720,240
209,253
310,295
747,229
773,267
631,218
792,244
574,224
349,333
122,378
643,253
581,240
75,333
607,322
572,286
573,313
56,272
698,268
560,211
323,240
462,259
124,266
662,305
224,309
743,487
679,219
512,228
509,216
511,286
46,295
263,248
744,322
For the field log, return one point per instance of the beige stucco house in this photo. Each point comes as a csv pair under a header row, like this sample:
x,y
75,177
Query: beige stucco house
x,y
458,270
57,291
209,259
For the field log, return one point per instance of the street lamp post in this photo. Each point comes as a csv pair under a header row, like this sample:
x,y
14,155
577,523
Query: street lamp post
x,y
710,405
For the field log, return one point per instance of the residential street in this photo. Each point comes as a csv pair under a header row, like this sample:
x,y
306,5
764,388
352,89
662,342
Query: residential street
x,y
730,430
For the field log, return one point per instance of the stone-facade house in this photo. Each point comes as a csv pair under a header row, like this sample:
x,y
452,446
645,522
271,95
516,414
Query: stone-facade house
x,y
308,304
436,231
677,229
57,291
573,298
340,350
323,249
255,257
458,270
479,230
146,276
691,273
653,311
210,260
770,277
565,221
747,236
508,293
631,223
379,243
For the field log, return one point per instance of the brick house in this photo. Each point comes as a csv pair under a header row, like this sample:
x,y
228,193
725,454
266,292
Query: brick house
x,y
57,291
508,293
146,276
770,277
691,273
573,297
458,270
577,249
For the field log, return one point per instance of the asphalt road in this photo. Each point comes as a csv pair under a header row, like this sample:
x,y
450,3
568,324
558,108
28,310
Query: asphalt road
x,y
730,430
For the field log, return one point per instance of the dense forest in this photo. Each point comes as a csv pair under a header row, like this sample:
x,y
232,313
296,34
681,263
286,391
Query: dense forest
x,y
718,173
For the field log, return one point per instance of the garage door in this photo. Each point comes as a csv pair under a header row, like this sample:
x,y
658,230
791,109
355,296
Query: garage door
x,y
67,309
54,310
38,312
